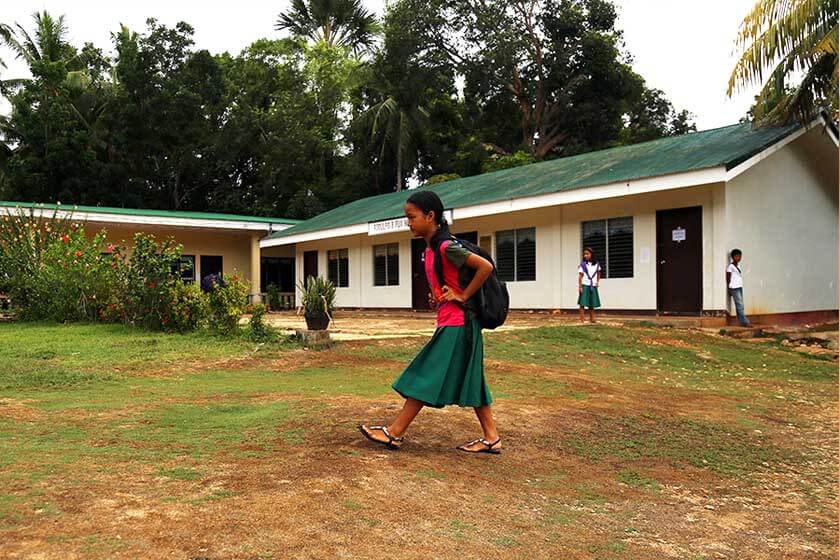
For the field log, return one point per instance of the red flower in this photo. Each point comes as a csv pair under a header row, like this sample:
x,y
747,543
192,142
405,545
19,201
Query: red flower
x,y
65,238
78,253
110,247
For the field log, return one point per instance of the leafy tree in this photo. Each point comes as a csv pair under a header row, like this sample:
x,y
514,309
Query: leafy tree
x,y
789,39
269,139
653,116
170,101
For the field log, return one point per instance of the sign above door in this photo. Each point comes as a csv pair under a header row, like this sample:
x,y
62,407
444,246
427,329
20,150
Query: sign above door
x,y
397,224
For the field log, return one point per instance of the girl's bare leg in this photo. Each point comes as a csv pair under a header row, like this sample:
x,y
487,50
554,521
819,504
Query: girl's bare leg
x,y
592,315
488,426
409,410
582,315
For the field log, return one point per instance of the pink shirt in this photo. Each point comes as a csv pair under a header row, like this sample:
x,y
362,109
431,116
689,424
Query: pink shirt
x,y
449,313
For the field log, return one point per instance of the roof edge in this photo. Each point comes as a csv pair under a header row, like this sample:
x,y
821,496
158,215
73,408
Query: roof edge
x,y
148,212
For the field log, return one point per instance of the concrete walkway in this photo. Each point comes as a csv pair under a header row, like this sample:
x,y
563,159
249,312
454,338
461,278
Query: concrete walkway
x,y
367,325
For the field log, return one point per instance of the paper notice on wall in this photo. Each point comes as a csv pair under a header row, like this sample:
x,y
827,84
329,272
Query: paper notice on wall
x,y
644,255
678,234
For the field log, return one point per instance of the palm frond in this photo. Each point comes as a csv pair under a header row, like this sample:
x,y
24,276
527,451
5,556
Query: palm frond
x,y
782,39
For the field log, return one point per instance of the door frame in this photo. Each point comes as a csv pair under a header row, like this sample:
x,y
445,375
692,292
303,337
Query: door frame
x,y
659,310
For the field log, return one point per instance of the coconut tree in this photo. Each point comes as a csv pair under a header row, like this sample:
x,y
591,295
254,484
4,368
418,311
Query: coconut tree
x,y
397,127
344,23
48,45
790,48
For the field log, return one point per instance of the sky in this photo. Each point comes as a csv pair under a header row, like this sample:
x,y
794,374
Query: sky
x,y
684,48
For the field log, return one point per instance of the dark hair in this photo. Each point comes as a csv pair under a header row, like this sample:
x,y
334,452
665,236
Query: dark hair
x,y
427,201
591,252
735,253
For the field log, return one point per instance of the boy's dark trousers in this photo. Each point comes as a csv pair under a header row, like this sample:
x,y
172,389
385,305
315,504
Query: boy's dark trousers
x,y
738,297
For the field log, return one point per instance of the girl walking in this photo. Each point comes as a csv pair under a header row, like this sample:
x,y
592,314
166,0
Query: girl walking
x,y
450,368
589,277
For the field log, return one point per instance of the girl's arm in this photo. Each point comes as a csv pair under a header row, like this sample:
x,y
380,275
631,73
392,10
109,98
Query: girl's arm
x,y
598,278
482,267
728,278
580,282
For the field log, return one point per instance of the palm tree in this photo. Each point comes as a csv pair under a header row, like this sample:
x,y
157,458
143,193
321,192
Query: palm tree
x,y
344,23
397,127
48,45
789,38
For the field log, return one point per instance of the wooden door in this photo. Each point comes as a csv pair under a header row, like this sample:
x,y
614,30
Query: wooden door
x,y
211,264
419,283
310,264
471,236
679,258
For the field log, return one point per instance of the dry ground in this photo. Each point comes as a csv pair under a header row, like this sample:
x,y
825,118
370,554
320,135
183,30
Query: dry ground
x,y
620,443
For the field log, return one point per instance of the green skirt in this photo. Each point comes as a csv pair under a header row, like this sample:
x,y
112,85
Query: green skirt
x,y
589,298
448,370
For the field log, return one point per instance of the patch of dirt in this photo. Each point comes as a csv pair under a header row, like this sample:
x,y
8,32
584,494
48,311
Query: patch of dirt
x,y
19,410
664,341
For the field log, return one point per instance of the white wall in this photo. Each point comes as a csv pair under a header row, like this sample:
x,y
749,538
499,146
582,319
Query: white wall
x,y
782,213
639,292
361,292
558,244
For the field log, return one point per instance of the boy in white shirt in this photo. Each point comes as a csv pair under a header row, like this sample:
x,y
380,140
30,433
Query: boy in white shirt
x,y
736,286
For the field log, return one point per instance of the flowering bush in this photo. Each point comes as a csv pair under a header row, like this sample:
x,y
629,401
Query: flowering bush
x,y
146,279
227,302
186,308
51,269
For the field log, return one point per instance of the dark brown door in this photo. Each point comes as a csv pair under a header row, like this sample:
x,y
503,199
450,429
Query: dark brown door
x,y
419,284
211,264
471,236
679,258
310,264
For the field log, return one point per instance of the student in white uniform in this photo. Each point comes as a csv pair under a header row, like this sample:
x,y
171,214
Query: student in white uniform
x,y
589,277
736,286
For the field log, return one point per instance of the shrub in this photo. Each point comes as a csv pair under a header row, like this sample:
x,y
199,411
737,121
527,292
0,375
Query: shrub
x,y
227,302
187,307
258,331
273,297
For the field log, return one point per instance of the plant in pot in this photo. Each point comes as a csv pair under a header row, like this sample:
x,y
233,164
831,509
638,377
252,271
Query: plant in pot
x,y
317,300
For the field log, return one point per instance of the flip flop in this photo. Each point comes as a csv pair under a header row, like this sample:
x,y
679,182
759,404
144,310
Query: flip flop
x,y
488,446
393,442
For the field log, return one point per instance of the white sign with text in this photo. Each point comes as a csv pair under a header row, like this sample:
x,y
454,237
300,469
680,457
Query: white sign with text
x,y
397,224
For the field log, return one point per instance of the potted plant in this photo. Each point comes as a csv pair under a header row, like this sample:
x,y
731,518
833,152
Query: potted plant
x,y
317,300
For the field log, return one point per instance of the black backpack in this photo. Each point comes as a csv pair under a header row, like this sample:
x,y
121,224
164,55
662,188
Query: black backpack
x,y
491,302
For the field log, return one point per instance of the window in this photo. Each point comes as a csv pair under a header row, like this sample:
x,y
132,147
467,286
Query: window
x,y
337,267
516,255
612,241
185,268
386,265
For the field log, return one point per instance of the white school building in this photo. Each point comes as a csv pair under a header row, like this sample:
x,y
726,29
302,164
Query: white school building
x,y
662,217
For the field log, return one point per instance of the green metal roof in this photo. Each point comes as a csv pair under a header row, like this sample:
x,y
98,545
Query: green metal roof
x,y
150,212
727,146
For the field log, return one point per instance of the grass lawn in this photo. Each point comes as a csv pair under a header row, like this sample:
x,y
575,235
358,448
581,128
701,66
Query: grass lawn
x,y
620,443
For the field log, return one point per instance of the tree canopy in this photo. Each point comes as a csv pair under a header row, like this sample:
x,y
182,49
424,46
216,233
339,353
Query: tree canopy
x,y
337,106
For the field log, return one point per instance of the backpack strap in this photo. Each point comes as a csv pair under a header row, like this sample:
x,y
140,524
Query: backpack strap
x,y
439,259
